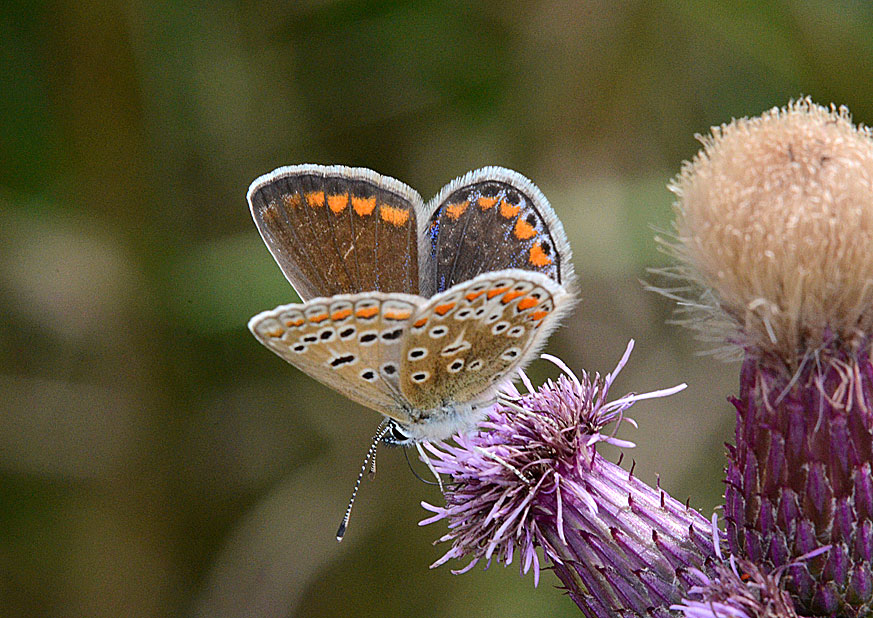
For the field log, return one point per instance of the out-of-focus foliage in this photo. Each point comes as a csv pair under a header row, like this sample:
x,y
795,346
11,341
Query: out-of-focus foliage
x,y
154,459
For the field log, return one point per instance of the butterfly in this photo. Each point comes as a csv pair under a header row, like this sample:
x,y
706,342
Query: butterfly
x,y
417,310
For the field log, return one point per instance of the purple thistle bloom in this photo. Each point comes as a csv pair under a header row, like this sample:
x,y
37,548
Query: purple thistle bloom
x,y
531,477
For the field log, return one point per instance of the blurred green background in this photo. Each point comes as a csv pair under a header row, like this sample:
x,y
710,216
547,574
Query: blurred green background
x,y
155,460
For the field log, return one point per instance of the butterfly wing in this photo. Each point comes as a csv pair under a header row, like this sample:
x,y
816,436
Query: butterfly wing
x,y
491,219
463,342
351,343
339,230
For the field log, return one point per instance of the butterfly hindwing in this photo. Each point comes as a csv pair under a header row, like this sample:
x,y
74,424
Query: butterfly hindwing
x,y
339,230
466,340
488,220
351,343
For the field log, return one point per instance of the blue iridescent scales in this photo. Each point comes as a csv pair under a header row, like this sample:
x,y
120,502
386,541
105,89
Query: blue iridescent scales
x,y
416,310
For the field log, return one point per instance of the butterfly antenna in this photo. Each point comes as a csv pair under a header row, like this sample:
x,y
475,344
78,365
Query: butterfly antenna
x,y
373,467
371,455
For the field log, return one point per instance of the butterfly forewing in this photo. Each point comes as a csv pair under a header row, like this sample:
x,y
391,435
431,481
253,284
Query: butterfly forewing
x,y
339,230
492,219
464,341
351,343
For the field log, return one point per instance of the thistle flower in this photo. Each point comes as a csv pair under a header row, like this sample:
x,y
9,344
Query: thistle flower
x,y
531,477
775,233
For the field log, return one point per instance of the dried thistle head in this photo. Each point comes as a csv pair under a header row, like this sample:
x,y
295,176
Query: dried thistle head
x,y
774,225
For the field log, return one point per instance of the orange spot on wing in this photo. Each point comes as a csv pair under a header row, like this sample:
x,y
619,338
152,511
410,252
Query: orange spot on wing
x,y
342,314
316,198
486,202
321,317
496,292
392,215
538,315
507,298
524,230
276,332
538,256
527,303
508,210
474,295
367,312
396,315
419,323
363,205
337,203
454,211
444,309
294,322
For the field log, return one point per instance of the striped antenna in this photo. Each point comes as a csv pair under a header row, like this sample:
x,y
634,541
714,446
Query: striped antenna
x,y
371,455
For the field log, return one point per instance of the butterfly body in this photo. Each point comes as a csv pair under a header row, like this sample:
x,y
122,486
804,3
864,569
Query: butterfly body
x,y
416,311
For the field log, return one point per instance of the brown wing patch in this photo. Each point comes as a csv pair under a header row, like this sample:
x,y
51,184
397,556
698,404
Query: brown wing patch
x,y
337,230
